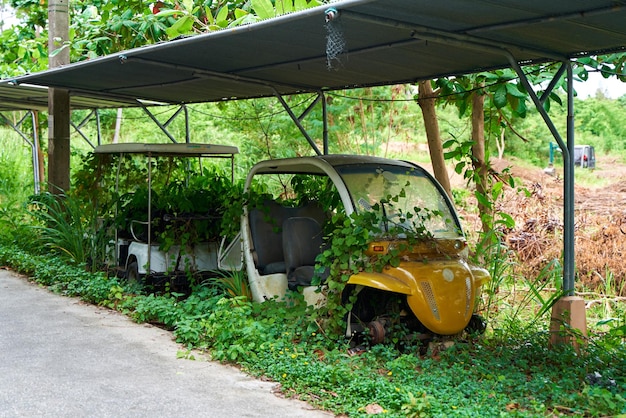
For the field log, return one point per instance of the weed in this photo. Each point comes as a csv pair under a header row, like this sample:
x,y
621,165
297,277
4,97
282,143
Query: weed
x,y
233,283
185,354
418,406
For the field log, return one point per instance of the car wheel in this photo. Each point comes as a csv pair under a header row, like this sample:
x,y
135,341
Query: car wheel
x,y
477,325
132,274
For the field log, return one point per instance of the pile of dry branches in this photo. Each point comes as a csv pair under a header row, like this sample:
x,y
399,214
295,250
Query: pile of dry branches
x,y
600,235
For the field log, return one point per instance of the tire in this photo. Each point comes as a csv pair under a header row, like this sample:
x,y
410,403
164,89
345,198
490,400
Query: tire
x,y
132,274
477,325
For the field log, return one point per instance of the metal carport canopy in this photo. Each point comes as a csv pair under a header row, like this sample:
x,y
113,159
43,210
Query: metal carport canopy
x,y
386,42
378,42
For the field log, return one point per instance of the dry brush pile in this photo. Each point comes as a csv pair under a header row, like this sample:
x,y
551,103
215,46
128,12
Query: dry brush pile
x,y
600,232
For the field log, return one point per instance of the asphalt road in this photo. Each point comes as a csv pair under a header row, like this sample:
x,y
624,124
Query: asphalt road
x,y
60,357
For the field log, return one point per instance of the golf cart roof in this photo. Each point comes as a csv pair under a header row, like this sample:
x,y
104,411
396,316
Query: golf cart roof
x,y
320,164
168,150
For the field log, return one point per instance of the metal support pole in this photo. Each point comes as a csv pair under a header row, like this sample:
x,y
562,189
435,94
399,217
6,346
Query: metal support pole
x,y
552,84
149,213
310,107
98,128
32,144
80,132
187,135
117,204
35,152
569,255
568,164
171,118
325,123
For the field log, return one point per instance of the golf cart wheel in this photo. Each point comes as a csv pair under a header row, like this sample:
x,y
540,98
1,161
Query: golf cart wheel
x,y
476,325
376,332
132,273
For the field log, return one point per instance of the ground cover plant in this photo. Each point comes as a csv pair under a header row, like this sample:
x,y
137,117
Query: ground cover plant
x,y
511,370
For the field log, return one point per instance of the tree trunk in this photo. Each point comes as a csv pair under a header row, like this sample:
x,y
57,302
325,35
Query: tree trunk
x,y
426,101
481,169
58,100
118,126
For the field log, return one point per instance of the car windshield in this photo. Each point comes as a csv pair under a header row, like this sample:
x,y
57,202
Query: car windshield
x,y
405,196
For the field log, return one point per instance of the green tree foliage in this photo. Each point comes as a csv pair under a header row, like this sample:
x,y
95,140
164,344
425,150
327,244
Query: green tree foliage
x,y
102,27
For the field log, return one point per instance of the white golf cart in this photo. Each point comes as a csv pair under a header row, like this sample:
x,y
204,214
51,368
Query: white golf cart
x,y
139,250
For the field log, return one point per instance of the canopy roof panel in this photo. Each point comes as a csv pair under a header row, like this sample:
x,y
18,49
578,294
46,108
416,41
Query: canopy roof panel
x,y
24,97
386,42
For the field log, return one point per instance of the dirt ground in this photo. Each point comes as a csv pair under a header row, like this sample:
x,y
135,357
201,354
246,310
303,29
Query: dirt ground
x,y
600,223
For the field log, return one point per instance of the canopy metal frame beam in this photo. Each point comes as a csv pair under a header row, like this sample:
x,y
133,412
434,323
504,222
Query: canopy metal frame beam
x,y
79,128
164,127
32,141
480,44
298,120
182,109
567,149
245,80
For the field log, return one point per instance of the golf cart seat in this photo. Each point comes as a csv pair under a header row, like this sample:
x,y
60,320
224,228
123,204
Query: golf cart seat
x,y
265,228
302,242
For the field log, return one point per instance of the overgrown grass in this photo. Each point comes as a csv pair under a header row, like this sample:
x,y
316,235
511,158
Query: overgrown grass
x,y
510,371
16,167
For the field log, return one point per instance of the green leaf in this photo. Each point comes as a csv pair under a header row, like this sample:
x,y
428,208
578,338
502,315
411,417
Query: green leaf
x,y
482,199
263,9
463,106
507,220
181,27
556,98
302,4
546,105
499,96
449,143
394,262
240,13
221,19
188,5
606,321
514,91
209,15
511,181
284,6
497,188
522,109
449,155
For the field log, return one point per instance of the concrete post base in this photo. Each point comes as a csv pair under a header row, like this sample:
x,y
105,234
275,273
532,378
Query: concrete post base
x,y
568,312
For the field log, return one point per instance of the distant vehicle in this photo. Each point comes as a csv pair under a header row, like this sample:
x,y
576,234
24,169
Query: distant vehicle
x,y
584,156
